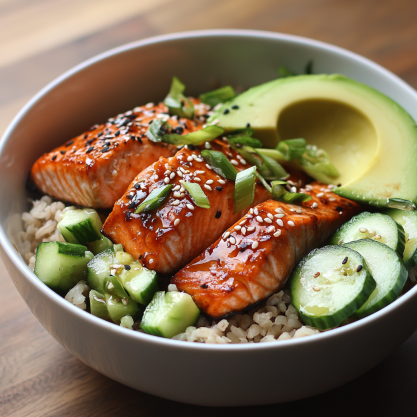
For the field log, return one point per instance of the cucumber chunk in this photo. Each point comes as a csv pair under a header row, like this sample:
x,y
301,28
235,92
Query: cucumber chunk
x,y
61,265
169,314
98,306
408,220
100,245
375,226
329,285
99,269
80,226
387,269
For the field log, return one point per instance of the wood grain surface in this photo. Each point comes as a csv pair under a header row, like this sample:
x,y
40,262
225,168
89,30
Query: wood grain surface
x,y
40,39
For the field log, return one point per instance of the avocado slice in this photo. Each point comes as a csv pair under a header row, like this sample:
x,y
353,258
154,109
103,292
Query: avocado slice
x,y
371,140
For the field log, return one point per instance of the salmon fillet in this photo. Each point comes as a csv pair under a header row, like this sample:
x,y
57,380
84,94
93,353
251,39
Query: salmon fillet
x,y
167,238
95,168
256,255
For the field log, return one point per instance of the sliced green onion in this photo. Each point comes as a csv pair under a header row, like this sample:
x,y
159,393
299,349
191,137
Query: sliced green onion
x,y
176,102
241,133
285,72
113,287
295,198
292,148
246,141
271,169
249,154
272,153
157,130
277,189
195,138
264,183
197,194
220,164
244,189
221,95
316,163
154,199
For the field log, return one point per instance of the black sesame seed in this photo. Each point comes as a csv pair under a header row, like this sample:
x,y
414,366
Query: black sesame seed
x,y
127,267
132,205
117,133
137,185
235,107
105,149
63,152
219,188
85,136
69,143
89,149
227,111
204,286
338,208
54,157
150,122
128,215
100,134
359,268
345,260
192,147
89,141
247,124
107,143
140,257
132,137
178,130
218,215
139,139
129,196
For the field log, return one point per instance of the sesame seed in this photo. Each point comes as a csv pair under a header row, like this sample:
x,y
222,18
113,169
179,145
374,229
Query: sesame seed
x,y
270,229
226,235
298,211
175,203
345,260
255,245
242,161
180,174
207,187
182,189
177,194
372,233
200,172
251,229
277,233
359,268
243,221
167,172
197,179
332,199
255,210
317,274
279,216
316,288
238,227
291,223
207,145
218,215
267,220
270,216
259,219
54,157
251,211
232,240
279,210
209,182
176,222
320,195
314,205
234,162
190,158
293,189
219,188
176,188
208,166
172,175
243,230
222,182
124,301
292,210
378,237
309,187
363,229
89,149
182,170
280,222
190,206
199,159
166,180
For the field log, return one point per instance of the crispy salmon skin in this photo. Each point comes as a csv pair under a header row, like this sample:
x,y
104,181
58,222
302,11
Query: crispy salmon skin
x,y
256,255
95,168
167,238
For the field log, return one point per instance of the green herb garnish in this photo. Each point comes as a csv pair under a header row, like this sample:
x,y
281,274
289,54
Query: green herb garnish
x,y
154,199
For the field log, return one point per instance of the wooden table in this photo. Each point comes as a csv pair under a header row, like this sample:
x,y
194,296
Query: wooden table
x,y
40,39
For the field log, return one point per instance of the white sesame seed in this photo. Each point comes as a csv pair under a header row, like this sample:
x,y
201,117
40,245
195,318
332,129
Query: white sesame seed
x,y
183,170
182,189
190,206
197,179
172,175
332,199
298,211
222,182
279,216
190,158
309,187
243,230
255,210
378,237
207,145
238,227
280,222
209,182
226,235
176,222
291,223
182,195
277,233
320,195
292,210
259,219
208,166
314,205
177,194
234,162
207,187
363,229
155,177
232,240
124,301
255,245
242,161
316,288
267,220
199,159
167,172
251,229
270,229
270,216
243,221
180,174
175,203
200,172
194,156
293,189
279,210
166,180
251,211
176,188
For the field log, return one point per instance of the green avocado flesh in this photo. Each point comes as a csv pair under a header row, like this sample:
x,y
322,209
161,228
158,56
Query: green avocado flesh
x,y
370,139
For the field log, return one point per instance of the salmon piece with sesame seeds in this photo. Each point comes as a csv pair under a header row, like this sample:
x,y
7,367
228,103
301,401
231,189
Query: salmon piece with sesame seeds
x,y
95,168
256,255
167,238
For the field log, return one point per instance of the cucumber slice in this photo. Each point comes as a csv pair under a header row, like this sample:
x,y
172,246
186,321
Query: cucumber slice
x,y
375,226
98,306
329,285
61,265
169,314
99,269
387,269
408,220
100,245
81,226
119,304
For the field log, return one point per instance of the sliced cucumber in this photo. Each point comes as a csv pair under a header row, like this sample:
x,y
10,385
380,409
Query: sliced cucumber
x,y
375,226
80,226
100,245
408,220
98,306
387,269
169,314
61,265
99,269
329,285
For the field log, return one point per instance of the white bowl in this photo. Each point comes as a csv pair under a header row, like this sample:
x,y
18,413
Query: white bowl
x,y
216,375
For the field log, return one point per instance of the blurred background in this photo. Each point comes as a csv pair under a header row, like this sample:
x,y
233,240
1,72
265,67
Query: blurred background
x,y
39,40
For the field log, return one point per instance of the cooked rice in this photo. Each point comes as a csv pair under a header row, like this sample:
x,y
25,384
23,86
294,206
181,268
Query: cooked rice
x,y
275,320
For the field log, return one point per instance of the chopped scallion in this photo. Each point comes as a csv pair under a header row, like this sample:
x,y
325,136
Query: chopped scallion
x,y
292,148
271,169
154,199
244,189
221,95
220,164
272,153
316,163
277,189
244,137
295,198
264,183
157,130
197,194
195,138
176,102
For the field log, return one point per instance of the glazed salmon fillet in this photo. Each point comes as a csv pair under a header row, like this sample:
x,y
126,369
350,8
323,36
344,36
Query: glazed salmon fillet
x,y
95,168
255,256
167,238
